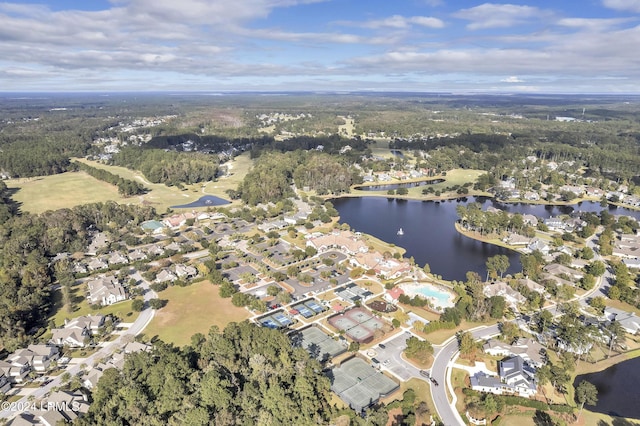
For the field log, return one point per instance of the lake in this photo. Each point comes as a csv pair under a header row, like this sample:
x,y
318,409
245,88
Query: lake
x,y
429,232
618,390
206,201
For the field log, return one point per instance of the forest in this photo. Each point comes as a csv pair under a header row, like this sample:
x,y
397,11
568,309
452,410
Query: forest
x,y
244,375
27,243
273,173
169,167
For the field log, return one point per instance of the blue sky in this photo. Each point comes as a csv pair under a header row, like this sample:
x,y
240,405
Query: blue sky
x,y
569,46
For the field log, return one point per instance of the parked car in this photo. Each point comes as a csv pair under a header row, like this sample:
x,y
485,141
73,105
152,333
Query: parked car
x,y
424,373
381,346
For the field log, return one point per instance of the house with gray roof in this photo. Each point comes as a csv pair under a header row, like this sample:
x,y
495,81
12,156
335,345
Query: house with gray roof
x,y
106,291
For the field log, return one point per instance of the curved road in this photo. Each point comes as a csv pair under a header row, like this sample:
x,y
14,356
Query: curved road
x,y
445,355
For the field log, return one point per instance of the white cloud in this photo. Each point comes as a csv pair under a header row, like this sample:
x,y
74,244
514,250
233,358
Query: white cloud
x,y
491,15
592,24
398,22
512,79
624,5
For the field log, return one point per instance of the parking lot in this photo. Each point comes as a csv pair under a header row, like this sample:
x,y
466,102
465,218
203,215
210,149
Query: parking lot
x,y
389,356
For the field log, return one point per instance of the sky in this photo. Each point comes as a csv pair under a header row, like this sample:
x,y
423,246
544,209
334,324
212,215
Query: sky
x,y
543,46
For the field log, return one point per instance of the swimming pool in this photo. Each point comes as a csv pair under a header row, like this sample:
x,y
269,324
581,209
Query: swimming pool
x,y
440,297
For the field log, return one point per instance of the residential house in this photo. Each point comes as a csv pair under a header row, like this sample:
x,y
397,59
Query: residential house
x,y
512,297
173,246
136,255
531,196
185,271
532,285
514,377
106,291
154,250
530,220
539,245
38,357
559,270
165,276
628,320
100,240
15,371
77,331
554,224
528,349
517,240
117,258
62,407
97,264
520,378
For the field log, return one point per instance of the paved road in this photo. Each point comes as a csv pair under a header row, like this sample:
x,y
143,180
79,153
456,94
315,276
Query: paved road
x,y
136,328
443,357
442,367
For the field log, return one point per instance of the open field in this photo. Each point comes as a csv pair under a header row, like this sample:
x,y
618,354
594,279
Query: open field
x,y
190,310
238,169
70,189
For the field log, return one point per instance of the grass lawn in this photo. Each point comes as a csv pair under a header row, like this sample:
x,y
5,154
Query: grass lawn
x,y
237,171
192,309
121,310
70,189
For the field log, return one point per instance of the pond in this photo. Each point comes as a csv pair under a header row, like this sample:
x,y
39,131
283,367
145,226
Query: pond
x,y
618,390
206,201
429,234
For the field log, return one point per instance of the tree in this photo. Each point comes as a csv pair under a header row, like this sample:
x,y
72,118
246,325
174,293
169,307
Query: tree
x,y
598,303
498,306
466,343
417,348
510,331
586,393
137,305
596,268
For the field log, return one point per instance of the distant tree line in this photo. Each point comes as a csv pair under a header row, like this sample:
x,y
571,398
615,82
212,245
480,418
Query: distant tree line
x,y
126,187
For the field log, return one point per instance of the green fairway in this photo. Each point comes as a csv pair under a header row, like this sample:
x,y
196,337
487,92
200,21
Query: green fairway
x,y
36,195
70,189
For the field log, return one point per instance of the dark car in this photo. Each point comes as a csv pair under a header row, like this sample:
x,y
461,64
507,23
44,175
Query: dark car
x,y
382,346
424,373
434,381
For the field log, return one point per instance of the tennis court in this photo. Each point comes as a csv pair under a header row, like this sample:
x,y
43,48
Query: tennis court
x,y
304,311
359,384
318,344
314,306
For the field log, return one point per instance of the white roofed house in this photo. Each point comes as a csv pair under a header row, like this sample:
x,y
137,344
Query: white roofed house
x,y
520,378
136,255
77,331
512,297
165,276
117,258
97,264
106,291
15,370
185,271
38,357
628,320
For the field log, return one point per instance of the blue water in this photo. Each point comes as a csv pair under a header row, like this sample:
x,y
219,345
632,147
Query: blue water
x,y
431,291
429,232
206,201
